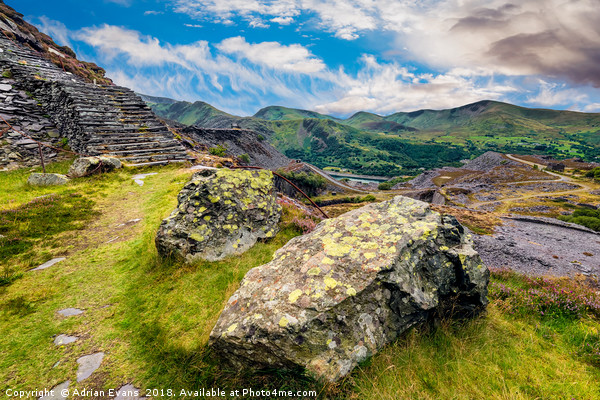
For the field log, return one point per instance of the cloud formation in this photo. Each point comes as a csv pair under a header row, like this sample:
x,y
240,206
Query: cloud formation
x,y
553,38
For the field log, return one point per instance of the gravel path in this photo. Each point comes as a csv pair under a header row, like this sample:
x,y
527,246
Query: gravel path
x,y
537,248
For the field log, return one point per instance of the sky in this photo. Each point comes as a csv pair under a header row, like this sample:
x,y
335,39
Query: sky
x,y
338,57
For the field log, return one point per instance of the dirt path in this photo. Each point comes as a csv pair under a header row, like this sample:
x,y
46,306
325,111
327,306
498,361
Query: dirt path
x,y
561,178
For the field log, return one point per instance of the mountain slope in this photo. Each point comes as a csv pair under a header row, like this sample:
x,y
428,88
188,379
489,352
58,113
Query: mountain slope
x,y
387,145
277,113
15,28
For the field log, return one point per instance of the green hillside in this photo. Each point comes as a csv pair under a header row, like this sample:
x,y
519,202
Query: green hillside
x,y
403,142
278,113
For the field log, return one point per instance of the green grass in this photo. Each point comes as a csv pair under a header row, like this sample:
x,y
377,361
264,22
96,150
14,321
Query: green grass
x,y
153,318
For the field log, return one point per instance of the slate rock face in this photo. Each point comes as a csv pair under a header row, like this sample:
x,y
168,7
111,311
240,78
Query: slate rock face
x,y
334,297
91,165
220,213
38,179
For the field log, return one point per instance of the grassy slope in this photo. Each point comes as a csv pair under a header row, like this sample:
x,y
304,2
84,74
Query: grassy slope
x,y
159,316
278,113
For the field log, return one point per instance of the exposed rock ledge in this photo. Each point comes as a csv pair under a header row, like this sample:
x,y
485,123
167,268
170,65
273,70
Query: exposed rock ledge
x,y
334,297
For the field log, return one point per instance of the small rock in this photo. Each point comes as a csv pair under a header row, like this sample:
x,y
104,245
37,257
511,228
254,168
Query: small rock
x,y
5,87
70,312
57,392
88,364
139,178
61,340
38,179
91,165
50,263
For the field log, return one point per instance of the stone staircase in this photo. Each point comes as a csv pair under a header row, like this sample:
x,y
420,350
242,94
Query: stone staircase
x,y
96,119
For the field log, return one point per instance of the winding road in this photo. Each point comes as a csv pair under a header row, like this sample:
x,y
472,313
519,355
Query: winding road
x,y
584,187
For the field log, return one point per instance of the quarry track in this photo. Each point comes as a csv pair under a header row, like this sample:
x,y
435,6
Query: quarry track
x,y
561,178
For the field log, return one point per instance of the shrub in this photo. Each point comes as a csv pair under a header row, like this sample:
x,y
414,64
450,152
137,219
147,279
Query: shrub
x,y
219,151
245,158
304,225
388,185
260,138
585,217
543,297
308,182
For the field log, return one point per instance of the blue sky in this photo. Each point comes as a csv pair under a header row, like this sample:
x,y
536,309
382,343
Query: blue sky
x,y
338,56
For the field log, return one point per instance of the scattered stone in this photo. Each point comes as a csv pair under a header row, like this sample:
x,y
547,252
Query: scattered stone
x,y
130,222
139,178
50,263
334,297
5,87
61,340
57,392
88,364
56,364
91,165
128,392
38,179
70,312
220,213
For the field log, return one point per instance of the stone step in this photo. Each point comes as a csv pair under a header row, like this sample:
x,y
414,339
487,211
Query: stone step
x,y
140,152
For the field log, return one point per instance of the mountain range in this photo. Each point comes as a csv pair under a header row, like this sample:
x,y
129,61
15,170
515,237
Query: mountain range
x,y
404,142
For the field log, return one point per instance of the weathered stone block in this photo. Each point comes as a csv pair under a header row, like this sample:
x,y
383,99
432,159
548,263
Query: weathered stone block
x,y
334,297
220,213
90,165
37,179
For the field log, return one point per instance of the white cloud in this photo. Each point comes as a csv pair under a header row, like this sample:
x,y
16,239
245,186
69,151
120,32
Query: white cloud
x,y
294,57
554,94
553,38
388,88
152,12
282,20
593,107
55,29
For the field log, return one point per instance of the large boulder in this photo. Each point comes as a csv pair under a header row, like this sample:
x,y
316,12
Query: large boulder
x,y
39,179
220,213
91,165
334,297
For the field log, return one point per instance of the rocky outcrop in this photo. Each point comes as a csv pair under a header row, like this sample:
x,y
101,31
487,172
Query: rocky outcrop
x,y
95,119
91,165
334,297
239,142
220,213
37,179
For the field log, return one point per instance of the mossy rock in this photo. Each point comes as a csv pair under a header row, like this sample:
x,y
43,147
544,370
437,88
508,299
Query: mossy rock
x,y
220,213
332,298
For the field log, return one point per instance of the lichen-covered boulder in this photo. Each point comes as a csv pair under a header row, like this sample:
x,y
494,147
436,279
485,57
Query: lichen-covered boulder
x,y
91,165
334,297
38,179
220,213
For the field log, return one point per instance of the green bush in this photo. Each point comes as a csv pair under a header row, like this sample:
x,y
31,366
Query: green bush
x,y
593,173
245,158
219,151
585,217
260,138
308,182
388,185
